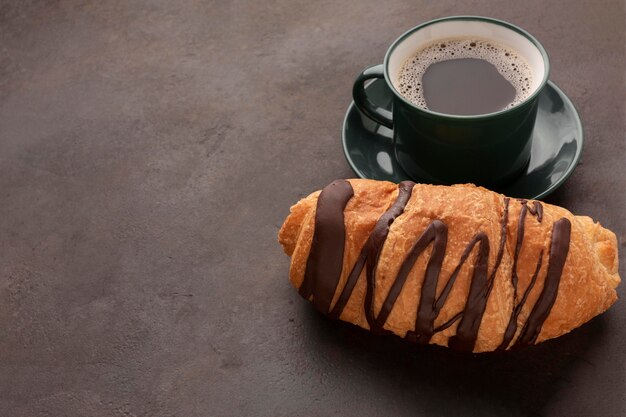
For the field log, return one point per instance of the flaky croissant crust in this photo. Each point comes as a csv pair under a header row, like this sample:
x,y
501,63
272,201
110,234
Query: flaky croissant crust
x,y
457,266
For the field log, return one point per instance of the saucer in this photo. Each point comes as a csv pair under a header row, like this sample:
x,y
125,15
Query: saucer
x,y
557,144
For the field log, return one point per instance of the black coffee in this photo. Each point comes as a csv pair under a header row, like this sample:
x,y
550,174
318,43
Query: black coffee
x,y
466,86
465,77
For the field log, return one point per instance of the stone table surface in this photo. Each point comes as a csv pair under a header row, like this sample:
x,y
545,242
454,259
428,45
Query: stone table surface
x,y
149,152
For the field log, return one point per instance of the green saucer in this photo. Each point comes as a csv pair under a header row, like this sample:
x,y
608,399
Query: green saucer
x,y
557,144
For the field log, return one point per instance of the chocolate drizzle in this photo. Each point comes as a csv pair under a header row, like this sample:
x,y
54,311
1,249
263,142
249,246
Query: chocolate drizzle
x,y
437,233
536,210
371,252
559,248
324,266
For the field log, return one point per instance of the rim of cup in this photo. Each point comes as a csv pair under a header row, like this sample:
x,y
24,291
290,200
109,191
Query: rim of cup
x,y
507,25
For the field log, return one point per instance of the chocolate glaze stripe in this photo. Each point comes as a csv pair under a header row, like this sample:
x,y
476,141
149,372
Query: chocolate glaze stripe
x,y
429,309
325,262
536,210
518,247
406,189
448,323
467,330
480,289
511,328
437,233
559,248
371,252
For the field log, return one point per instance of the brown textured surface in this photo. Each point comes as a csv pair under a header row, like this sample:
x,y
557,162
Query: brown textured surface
x,y
149,151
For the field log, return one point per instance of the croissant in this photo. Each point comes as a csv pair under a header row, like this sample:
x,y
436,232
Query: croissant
x,y
457,266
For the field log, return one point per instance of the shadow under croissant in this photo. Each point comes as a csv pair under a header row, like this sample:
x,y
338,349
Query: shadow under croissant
x,y
520,382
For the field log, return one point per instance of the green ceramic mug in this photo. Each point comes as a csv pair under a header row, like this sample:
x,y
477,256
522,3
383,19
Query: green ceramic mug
x,y
486,149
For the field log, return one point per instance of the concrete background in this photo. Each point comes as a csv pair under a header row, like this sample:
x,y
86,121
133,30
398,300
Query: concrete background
x,y
149,151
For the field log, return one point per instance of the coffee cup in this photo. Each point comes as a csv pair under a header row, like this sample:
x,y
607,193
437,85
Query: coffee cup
x,y
445,147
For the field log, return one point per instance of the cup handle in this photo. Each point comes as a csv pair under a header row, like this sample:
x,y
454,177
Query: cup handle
x,y
363,103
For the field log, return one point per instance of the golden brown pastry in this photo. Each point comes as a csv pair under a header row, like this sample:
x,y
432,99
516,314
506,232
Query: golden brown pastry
x,y
456,266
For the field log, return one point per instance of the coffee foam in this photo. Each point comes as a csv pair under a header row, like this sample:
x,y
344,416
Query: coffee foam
x,y
509,63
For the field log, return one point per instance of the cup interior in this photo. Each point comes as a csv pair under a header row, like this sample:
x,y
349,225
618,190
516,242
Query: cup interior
x,y
467,27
